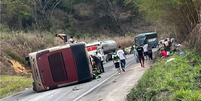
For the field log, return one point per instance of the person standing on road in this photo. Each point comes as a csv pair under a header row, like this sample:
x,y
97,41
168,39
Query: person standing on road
x,y
132,50
136,54
97,62
145,50
140,55
63,37
100,57
116,61
122,58
150,52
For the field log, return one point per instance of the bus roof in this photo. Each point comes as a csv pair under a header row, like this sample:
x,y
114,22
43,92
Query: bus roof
x,y
143,34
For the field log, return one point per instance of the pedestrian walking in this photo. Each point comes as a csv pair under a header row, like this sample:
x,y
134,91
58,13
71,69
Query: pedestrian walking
x,y
122,58
136,54
140,55
116,61
100,57
150,52
145,50
63,37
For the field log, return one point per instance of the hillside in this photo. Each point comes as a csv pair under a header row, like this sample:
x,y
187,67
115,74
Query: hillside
x,y
77,17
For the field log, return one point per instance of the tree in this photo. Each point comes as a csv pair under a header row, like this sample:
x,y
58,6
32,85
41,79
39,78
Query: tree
x,y
182,15
16,13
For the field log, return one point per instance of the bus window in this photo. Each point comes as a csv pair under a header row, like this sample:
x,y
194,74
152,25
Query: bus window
x,y
139,40
151,40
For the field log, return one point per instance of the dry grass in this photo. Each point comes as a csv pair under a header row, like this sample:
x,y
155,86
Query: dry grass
x,y
194,39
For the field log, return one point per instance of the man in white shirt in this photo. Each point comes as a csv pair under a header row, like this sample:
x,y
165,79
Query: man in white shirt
x,y
122,58
71,40
145,51
98,55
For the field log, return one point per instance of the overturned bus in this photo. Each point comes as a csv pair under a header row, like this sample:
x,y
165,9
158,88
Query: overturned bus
x,y
60,66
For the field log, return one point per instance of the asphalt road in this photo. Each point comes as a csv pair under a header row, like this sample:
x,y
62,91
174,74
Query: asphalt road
x,y
77,92
69,93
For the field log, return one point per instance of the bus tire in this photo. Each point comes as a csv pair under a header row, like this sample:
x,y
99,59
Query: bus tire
x,y
34,87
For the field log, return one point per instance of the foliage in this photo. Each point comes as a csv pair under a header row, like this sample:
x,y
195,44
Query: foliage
x,y
91,16
4,28
181,15
175,80
13,84
16,14
17,57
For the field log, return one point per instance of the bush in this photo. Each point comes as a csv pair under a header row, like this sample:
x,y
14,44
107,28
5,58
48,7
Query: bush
x,y
17,57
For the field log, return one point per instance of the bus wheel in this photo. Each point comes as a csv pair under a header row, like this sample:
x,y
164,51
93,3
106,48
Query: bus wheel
x,y
34,87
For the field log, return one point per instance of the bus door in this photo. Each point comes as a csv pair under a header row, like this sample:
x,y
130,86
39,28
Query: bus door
x,y
57,68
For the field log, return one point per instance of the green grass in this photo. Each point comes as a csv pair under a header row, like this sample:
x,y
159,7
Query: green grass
x,y
177,80
12,84
17,57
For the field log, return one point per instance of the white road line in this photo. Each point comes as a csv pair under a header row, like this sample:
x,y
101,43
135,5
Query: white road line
x,y
97,85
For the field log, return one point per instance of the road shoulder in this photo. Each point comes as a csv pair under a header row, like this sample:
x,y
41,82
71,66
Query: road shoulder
x,y
119,86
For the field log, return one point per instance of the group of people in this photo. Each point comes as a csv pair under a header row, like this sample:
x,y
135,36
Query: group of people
x,y
119,58
140,53
64,38
143,53
167,47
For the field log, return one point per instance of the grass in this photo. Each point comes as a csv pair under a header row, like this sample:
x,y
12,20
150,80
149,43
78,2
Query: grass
x,y
17,57
12,84
177,80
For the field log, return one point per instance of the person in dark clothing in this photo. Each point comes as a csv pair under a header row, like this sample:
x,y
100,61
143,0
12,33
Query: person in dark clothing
x,y
150,52
140,55
63,37
131,51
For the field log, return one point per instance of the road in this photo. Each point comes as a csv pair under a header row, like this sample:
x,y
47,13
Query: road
x,y
89,91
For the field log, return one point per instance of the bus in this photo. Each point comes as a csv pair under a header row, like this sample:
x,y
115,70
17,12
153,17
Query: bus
x,y
60,66
149,38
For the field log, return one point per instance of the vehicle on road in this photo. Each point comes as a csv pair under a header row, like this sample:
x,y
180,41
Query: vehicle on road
x,y
105,48
60,66
149,38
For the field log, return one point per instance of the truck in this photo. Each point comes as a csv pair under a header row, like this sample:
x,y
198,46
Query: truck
x,y
60,66
105,48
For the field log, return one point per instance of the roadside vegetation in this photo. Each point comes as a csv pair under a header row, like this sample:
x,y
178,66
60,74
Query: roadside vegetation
x,y
177,80
12,84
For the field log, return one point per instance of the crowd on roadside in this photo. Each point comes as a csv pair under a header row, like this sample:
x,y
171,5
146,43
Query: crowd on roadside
x,y
168,47
141,53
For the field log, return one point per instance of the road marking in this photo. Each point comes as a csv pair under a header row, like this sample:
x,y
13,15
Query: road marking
x,y
97,85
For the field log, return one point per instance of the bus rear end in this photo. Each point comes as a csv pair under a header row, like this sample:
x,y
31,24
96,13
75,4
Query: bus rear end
x,y
59,66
